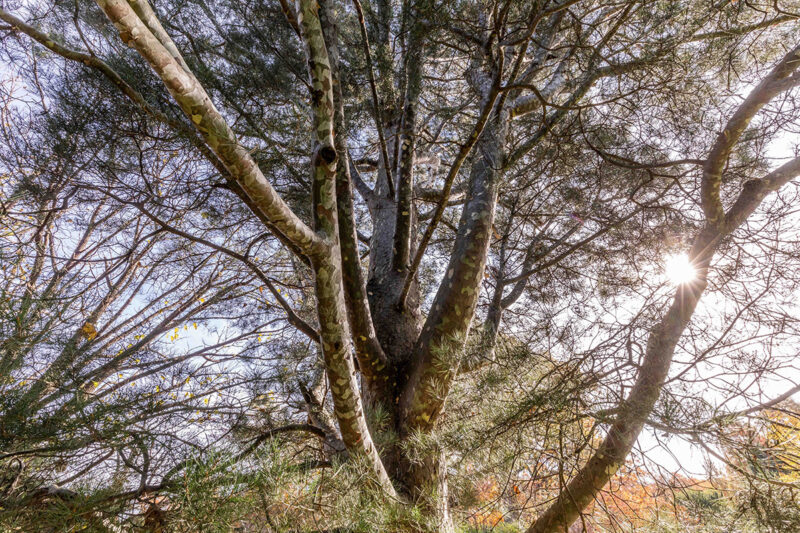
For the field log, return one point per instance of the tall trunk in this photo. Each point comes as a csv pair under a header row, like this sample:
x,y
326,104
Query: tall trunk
x,y
397,330
424,481
335,334
412,75
438,350
371,358
421,470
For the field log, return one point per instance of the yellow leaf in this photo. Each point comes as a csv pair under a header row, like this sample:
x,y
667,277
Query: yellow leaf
x,y
89,331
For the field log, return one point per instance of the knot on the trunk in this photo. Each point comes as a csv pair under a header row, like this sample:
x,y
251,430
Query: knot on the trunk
x,y
326,155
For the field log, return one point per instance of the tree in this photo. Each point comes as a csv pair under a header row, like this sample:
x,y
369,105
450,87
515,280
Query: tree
x,y
573,138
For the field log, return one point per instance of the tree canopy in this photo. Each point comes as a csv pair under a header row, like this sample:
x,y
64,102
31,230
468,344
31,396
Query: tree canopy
x,y
399,265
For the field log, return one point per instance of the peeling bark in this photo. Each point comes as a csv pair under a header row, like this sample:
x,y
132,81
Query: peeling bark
x,y
373,364
328,282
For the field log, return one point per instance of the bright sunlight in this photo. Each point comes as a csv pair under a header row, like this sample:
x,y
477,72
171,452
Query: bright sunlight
x,y
679,269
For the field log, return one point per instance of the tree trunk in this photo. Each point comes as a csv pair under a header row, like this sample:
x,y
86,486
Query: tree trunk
x,y
420,468
422,478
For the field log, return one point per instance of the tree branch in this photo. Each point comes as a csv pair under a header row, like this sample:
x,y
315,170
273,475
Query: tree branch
x,y
331,304
376,107
779,79
153,44
463,153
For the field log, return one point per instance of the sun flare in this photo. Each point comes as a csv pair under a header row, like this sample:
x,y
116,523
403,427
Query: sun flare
x,y
679,269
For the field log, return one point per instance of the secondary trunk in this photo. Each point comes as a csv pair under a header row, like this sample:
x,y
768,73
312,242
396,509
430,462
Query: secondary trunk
x,y
415,462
